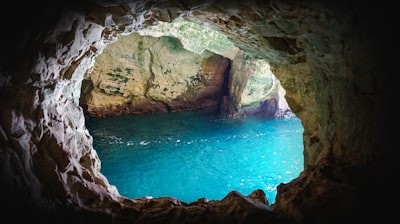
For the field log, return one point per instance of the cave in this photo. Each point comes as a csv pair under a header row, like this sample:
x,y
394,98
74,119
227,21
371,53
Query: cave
x,y
329,57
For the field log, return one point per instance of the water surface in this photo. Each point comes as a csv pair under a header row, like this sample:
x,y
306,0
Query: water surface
x,y
191,155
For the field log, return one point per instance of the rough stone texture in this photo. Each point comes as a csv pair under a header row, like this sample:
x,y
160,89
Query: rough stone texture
x,y
141,74
333,59
253,90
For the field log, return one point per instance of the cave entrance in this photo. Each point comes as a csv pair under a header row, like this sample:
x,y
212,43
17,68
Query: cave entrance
x,y
230,118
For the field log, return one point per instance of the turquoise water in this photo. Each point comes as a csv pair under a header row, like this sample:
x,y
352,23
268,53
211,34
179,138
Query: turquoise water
x,y
191,155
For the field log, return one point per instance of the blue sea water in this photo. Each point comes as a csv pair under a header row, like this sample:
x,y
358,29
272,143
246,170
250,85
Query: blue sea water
x,y
191,155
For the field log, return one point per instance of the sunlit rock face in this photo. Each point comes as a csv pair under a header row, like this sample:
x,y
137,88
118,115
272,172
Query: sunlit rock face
x,y
143,74
254,90
180,71
326,56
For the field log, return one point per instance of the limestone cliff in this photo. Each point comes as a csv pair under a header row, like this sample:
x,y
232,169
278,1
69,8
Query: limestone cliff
x,y
141,74
144,74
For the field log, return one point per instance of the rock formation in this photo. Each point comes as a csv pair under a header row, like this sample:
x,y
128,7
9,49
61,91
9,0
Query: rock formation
x,y
157,75
329,57
145,74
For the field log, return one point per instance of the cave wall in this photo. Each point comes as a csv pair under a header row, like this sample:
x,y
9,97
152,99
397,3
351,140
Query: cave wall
x,y
328,58
253,90
146,75
179,70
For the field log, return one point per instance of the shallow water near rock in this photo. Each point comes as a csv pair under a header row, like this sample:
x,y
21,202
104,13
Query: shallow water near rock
x,y
191,155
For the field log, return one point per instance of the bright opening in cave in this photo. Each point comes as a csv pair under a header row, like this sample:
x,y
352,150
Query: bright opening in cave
x,y
193,152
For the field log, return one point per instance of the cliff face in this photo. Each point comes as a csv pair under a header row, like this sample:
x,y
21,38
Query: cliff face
x,y
328,58
140,74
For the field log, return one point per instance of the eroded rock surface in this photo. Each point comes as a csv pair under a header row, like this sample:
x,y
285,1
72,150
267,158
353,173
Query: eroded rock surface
x,y
142,74
330,58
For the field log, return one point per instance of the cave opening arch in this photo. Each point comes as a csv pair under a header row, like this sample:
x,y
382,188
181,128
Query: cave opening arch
x,y
277,48
63,57
107,91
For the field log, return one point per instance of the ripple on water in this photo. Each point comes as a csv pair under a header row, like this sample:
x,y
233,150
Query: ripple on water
x,y
191,155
